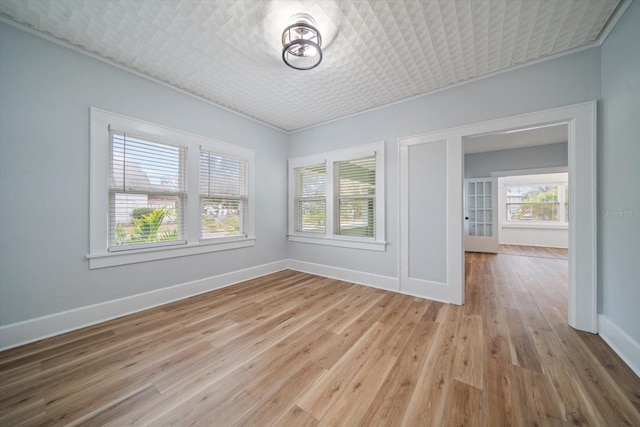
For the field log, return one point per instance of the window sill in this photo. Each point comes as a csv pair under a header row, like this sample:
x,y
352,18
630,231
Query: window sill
x,y
112,259
536,225
370,245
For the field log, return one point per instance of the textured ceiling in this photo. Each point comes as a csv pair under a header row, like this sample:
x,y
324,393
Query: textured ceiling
x,y
516,139
375,52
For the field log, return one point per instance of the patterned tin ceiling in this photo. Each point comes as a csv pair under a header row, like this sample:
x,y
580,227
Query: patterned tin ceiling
x,y
376,52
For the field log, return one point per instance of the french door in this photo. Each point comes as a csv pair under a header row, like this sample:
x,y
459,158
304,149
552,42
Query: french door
x,y
481,211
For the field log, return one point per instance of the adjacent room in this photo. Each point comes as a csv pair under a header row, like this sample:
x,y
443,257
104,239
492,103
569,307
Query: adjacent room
x,y
288,212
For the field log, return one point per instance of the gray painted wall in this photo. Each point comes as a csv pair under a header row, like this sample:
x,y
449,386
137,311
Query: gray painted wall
x,y
46,91
479,165
558,82
619,175
45,94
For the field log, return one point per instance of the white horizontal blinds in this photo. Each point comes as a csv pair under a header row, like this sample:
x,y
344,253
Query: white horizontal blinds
x,y
223,195
310,198
356,197
146,192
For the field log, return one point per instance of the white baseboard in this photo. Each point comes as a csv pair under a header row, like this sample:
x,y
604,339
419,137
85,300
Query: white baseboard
x,y
360,277
620,342
425,289
428,289
535,246
20,333
31,330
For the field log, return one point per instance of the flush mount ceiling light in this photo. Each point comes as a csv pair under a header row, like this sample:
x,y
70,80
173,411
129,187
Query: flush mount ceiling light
x,y
301,43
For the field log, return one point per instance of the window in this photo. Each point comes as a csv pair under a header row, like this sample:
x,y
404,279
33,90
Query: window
x,y
146,192
310,199
356,188
223,195
532,203
337,198
159,193
536,199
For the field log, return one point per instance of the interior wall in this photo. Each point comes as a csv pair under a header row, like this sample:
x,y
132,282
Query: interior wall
x,y
480,165
46,91
45,94
618,177
546,235
557,82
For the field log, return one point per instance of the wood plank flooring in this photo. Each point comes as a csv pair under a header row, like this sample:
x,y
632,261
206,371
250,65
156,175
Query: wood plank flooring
x,y
293,349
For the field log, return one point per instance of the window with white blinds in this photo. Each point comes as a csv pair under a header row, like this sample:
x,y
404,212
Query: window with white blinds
x,y
310,199
356,197
146,192
159,193
337,198
223,195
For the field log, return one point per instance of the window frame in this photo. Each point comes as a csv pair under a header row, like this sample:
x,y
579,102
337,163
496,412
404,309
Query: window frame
x,y
339,197
330,237
243,199
545,179
181,194
299,199
99,254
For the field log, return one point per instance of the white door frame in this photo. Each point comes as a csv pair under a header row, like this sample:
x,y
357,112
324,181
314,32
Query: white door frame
x,y
581,122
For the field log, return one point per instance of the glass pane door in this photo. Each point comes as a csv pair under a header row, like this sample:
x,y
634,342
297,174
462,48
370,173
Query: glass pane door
x,y
480,208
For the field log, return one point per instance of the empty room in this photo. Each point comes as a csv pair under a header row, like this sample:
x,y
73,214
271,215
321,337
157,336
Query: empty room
x,y
319,212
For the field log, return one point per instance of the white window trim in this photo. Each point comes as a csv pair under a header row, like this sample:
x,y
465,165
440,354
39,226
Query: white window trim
x,y
296,199
329,238
99,255
543,176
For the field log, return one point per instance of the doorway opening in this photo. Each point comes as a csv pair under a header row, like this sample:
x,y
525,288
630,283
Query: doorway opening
x,y
443,152
516,204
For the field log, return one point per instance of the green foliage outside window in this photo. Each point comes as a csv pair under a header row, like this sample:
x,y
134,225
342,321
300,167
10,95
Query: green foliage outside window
x,y
538,204
157,226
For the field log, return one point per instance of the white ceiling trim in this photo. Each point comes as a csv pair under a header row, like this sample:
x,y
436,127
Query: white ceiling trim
x,y
613,21
596,43
382,53
442,89
75,48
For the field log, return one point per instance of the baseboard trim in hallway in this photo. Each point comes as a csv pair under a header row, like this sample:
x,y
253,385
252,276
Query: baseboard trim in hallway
x,y
620,342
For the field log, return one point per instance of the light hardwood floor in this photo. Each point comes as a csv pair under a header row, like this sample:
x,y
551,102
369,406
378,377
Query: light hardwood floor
x,y
292,349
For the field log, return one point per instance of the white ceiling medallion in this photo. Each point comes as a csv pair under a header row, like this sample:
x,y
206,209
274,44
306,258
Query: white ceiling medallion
x,y
301,43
